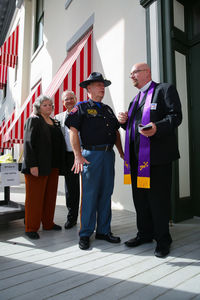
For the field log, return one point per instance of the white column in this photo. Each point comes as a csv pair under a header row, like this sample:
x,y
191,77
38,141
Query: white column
x,y
154,41
183,134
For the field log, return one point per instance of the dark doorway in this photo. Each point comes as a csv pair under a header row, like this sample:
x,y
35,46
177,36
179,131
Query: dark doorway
x,y
187,43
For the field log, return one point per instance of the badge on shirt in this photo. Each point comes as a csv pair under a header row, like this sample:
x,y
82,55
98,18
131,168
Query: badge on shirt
x,y
74,110
92,112
153,106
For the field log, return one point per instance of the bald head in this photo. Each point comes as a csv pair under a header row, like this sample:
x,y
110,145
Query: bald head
x,y
140,74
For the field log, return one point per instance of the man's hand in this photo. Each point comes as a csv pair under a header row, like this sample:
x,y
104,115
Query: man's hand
x,y
122,117
79,161
34,171
150,132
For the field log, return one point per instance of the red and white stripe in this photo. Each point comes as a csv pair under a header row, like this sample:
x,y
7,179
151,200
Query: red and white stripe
x,y
3,129
9,50
2,125
76,67
15,133
3,76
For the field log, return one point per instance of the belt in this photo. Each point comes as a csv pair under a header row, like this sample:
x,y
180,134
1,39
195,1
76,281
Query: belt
x,y
99,148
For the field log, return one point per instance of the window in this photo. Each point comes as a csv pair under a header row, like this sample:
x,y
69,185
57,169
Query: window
x,y
39,23
196,19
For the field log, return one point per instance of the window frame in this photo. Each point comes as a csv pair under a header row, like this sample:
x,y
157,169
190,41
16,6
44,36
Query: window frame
x,y
39,24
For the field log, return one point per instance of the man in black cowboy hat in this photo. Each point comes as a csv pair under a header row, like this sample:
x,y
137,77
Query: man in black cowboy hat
x,y
98,127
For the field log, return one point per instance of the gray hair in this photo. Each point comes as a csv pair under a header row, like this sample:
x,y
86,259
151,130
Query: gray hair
x,y
38,102
68,91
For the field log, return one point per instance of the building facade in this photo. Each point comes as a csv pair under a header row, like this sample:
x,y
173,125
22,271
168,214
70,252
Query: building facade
x,y
166,34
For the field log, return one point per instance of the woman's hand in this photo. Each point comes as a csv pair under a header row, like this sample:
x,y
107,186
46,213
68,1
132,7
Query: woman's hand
x,y
34,171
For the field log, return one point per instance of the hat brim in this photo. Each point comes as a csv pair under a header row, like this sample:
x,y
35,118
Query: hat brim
x,y
85,83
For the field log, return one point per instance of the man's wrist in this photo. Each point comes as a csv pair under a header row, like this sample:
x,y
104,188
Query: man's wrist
x,y
77,155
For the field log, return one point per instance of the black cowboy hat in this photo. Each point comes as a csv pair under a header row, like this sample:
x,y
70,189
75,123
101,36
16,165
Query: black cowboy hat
x,y
95,76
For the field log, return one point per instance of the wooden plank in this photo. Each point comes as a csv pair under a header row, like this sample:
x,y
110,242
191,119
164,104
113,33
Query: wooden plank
x,y
55,268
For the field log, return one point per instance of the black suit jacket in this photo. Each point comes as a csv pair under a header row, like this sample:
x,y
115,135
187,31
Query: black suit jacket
x,y
167,116
38,146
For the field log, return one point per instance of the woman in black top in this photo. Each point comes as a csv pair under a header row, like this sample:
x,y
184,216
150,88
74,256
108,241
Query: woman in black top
x,y
44,158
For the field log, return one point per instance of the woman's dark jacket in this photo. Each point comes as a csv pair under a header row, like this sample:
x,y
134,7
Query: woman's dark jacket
x,y
38,146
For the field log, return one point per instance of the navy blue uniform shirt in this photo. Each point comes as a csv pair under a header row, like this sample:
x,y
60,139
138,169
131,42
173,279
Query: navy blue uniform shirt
x,y
97,125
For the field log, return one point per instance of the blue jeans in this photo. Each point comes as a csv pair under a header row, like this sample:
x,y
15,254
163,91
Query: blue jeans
x,y
97,189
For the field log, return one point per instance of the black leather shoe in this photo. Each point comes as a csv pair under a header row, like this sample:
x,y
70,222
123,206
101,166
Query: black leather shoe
x,y
108,237
162,251
54,227
32,235
84,242
70,224
137,241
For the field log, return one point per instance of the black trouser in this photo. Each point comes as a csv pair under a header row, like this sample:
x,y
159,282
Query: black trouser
x,y
72,189
153,205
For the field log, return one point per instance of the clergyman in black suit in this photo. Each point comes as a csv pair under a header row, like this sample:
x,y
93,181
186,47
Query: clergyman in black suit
x,y
149,153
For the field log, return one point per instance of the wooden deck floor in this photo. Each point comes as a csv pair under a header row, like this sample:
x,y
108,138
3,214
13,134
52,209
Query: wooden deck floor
x,y
55,268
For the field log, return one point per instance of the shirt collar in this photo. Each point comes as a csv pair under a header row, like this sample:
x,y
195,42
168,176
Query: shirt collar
x,y
146,86
94,103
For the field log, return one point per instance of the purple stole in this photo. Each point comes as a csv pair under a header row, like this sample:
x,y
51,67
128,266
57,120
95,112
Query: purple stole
x,y
143,175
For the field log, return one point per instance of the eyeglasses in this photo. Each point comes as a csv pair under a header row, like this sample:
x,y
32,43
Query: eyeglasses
x,y
70,98
136,71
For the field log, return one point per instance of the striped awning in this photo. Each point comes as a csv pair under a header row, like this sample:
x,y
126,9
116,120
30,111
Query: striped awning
x,y
3,129
75,68
3,76
8,55
9,50
15,133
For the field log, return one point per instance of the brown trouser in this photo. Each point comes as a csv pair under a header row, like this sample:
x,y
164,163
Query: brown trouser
x,y
40,200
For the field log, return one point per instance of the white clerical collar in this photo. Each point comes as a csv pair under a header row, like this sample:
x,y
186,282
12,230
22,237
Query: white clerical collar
x,y
145,87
